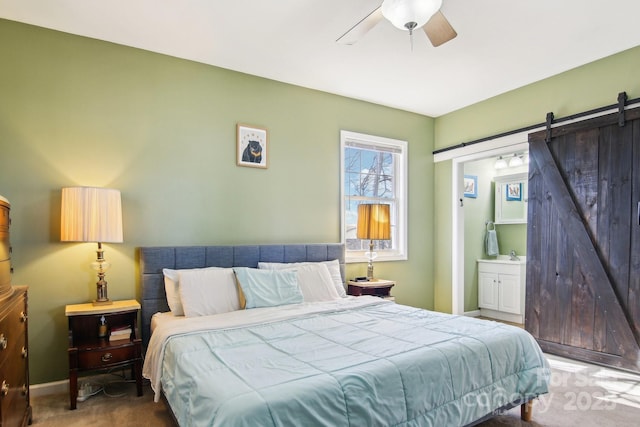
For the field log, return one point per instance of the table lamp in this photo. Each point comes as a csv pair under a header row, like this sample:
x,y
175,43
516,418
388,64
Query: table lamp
x,y
92,214
373,224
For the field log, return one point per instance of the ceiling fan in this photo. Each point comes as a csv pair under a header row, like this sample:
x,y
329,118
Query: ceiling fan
x,y
406,15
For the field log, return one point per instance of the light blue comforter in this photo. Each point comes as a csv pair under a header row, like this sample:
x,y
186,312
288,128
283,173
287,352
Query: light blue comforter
x,y
381,364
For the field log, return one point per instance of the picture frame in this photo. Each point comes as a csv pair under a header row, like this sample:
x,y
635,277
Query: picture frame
x,y
471,186
252,146
513,191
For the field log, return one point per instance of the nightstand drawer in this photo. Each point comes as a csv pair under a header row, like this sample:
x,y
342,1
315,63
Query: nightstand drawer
x,y
101,358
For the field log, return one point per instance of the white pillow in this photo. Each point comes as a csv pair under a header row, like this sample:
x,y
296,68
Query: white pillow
x,y
333,266
171,283
208,291
171,286
315,282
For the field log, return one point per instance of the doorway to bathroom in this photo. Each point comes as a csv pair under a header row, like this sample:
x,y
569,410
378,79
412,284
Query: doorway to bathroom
x,y
488,151
495,236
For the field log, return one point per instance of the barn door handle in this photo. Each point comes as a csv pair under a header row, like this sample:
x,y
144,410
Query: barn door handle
x,y
638,213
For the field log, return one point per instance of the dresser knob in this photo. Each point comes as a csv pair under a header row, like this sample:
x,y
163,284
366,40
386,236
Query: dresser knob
x,y
3,342
24,352
4,390
23,317
25,390
106,357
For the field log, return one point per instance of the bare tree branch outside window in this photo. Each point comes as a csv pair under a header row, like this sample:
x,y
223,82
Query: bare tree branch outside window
x,y
369,179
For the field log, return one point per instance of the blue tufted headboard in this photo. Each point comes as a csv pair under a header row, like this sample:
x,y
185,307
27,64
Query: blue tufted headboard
x,y
154,259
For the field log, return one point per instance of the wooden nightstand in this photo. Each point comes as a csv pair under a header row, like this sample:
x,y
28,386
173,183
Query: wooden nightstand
x,y
376,287
88,352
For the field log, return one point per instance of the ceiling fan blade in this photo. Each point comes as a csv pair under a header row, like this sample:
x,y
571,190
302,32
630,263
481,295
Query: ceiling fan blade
x,y
361,28
439,30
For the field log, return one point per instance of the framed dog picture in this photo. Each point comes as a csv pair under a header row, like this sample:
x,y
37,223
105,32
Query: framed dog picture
x,y
252,144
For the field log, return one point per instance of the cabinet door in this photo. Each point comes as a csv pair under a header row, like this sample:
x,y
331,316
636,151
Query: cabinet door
x,y
488,290
509,289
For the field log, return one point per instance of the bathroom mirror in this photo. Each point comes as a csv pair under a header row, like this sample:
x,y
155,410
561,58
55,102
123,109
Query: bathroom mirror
x,y
511,198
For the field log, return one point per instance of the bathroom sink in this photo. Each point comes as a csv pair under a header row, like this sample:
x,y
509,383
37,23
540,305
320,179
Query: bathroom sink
x,y
506,259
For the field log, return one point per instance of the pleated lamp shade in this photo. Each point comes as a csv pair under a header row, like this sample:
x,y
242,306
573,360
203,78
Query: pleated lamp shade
x,y
374,222
91,214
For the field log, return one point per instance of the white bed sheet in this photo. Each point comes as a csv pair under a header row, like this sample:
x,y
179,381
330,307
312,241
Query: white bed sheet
x,y
163,317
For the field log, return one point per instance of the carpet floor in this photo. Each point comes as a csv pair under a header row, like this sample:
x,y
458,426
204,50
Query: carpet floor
x,y
580,395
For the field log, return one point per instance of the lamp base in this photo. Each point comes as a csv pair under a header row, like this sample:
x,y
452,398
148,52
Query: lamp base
x,y
106,302
372,255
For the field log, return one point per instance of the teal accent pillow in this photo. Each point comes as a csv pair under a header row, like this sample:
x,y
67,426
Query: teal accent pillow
x,y
268,288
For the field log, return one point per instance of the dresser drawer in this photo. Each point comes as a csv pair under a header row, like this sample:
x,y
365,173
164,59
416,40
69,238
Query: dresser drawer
x,y
12,334
14,398
101,358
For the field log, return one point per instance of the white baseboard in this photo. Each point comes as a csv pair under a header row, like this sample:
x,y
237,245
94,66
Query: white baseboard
x,y
501,315
46,389
474,313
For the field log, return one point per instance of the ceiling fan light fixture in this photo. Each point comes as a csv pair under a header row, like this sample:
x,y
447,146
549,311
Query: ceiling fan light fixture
x,y
409,14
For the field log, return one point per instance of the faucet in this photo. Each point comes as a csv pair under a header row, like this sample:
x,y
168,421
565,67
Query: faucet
x,y
513,256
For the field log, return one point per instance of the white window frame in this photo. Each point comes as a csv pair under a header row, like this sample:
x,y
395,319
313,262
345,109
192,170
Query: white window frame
x,y
399,251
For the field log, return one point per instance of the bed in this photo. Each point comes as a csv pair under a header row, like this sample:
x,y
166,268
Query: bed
x,y
318,359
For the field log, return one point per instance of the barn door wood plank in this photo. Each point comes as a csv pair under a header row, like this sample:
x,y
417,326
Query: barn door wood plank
x,y
615,216
616,146
534,226
594,272
634,262
539,262
582,179
563,149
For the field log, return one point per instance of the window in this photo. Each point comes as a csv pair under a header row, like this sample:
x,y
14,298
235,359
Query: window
x,y
374,170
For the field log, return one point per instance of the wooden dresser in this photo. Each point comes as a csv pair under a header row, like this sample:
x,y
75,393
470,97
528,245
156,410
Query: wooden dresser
x,y
15,409
5,250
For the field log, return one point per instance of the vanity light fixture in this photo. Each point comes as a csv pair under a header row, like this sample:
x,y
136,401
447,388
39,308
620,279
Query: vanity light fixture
x,y
515,161
500,163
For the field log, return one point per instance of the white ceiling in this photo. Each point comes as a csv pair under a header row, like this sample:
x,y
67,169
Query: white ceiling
x,y
501,44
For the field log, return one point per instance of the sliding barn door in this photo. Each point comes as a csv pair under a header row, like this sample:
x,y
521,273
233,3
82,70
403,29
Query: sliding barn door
x,y
583,240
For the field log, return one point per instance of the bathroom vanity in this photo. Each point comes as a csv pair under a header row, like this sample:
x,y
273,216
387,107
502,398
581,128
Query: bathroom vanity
x,y
501,288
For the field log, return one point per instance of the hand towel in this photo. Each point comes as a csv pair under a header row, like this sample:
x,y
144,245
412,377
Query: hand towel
x,y
491,241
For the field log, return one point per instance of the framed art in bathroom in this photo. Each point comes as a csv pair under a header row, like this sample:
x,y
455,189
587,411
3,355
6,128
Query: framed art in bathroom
x,y
514,192
471,186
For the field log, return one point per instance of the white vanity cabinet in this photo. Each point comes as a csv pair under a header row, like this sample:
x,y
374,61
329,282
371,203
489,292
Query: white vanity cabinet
x,y
501,289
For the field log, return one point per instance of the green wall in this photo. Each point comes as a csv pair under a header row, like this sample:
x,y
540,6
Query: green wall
x,y
77,111
584,88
